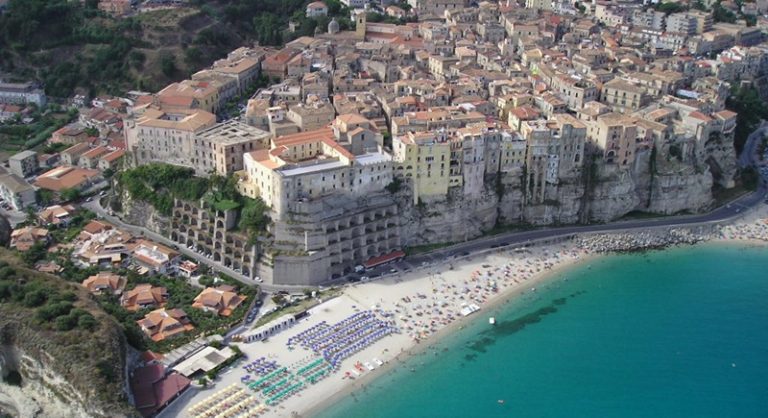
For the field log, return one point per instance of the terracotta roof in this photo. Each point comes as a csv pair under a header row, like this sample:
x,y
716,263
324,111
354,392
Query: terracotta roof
x,y
104,281
153,389
114,155
23,239
95,152
222,299
61,178
142,296
94,227
161,323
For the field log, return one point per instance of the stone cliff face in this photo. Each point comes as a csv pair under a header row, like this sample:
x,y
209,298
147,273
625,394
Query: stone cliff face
x,y
42,377
138,212
594,192
613,195
452,219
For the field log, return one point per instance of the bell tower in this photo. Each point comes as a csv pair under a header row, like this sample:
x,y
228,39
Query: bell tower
x,y
360,24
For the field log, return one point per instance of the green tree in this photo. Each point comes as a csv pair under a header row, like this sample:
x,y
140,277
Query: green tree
x,y
168,65
670,7
721,14
35,253
746,102
87,322
70,195
44,197
34,298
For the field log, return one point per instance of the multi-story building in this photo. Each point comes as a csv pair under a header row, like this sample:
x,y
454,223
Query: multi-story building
x,y
154,135
155,258
611,15
220,148
316,9
16,191
434,119
90,158
310,165
22,93
554,150
424,158
71,155
317,84
71,134
623,95
23,164
615,137
682,23
575,91
436,8
539,4
650,19
256,113
202,95
313,115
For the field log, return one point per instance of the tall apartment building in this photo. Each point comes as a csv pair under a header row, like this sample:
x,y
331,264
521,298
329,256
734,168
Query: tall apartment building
x,y
424,158
615,137
575,91
554,149
683,23
469,149
538,4
23,164
649,19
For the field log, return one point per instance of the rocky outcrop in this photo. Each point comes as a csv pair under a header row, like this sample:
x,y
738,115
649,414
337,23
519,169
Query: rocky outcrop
x,y
454,218
139,212
44,378
47,372
610,194
675,193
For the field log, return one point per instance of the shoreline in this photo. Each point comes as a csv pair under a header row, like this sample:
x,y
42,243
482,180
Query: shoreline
x,y
504,297
490,279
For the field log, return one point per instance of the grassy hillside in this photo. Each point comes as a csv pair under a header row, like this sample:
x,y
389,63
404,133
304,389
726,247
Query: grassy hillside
x,y
72,47
59,325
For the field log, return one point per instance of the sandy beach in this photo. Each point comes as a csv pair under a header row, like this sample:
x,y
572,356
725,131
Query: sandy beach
x,y
423,305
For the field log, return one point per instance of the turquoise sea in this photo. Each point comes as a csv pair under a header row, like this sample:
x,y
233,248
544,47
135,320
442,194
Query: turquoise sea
x,y
675,333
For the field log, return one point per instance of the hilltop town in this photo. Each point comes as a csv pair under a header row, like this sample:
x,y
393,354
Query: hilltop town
x,y
389,136
405,128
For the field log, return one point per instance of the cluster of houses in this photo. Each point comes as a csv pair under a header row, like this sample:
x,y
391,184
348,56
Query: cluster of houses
x,y
89,147
469,96
107,247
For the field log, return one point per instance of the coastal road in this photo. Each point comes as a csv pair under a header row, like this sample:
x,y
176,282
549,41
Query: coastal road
x,y
748,154
731,210
726,212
